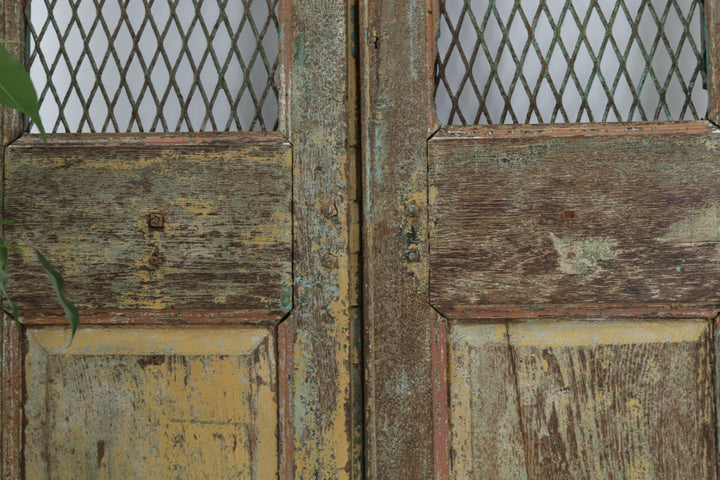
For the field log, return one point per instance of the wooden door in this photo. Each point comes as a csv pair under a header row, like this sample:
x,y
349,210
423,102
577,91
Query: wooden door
x,y
215,273
540,300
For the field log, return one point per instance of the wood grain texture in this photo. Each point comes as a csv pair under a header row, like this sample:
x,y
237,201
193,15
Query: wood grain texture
x,y
712,20
12,28
621,215
397,114
151,402
321,125
597,400
11,126
86,202
12,400
486,436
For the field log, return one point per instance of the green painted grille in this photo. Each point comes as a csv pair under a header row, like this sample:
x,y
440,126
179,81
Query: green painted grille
x,y
557,61
145,66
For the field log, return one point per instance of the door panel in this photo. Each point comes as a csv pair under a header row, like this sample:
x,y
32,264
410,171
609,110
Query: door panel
x,y
216,273
151,402
591,214
574,268
572,399
157,222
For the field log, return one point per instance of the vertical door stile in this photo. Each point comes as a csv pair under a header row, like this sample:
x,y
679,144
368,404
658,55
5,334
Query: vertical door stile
x,y
397,64
320,122
712,52
11,126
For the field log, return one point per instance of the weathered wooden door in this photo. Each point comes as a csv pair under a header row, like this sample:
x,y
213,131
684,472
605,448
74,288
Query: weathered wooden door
x,y
215,272
540,300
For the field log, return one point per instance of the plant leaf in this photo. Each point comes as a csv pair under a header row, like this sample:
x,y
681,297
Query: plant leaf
x,y
71,312
16,88
4,278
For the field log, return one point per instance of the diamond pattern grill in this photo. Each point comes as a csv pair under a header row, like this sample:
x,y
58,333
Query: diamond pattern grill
x,y
557,61
145,66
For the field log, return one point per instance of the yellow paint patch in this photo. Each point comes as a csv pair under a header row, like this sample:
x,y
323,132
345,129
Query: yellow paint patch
x,y
577,333
195,206
149,340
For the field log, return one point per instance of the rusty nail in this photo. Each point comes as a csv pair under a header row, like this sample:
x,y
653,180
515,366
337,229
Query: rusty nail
x,y
329,261
412,255
411,209
329,210
156,220
156,259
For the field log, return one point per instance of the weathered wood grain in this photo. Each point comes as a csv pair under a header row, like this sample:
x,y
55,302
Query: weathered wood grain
x,y
86,202
319,105
11,125
12,28
397,111
486,435
597,400
575,215
712,20
151,402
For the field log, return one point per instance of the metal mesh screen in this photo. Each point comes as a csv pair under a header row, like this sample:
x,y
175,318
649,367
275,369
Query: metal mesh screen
x,y
556,61
144,65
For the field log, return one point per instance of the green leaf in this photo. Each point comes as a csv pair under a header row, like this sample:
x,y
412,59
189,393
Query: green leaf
x,y
16,88
71,312
4,278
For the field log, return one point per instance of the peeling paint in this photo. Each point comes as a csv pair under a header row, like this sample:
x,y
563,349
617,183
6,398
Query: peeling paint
x,y
699,226
579,257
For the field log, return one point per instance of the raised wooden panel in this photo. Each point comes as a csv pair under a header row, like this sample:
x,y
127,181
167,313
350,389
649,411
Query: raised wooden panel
x,y
151,402
582,400
224,239
626,214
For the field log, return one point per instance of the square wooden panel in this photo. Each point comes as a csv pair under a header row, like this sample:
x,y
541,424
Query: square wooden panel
x,y
151,402
580,399
90,203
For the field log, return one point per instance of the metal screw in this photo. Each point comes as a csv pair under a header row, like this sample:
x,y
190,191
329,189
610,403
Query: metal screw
x,y
156,259
411,209
329,210
156,220
412,255
329,261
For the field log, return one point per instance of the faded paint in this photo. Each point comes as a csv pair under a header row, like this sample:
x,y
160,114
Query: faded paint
x,y
580,333
227,208
196,402
571,399
699,226
580,257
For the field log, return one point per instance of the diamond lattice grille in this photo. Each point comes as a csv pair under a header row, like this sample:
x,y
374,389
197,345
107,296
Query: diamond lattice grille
x,y
556,61
144,66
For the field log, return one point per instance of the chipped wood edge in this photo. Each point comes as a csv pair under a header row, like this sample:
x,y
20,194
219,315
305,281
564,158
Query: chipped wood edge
x,y
712,22
396,58
319,121
13,28
432,14
715,375
157,317
285,405
12,401
441,444
492,313
11,387
285,39
489,132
